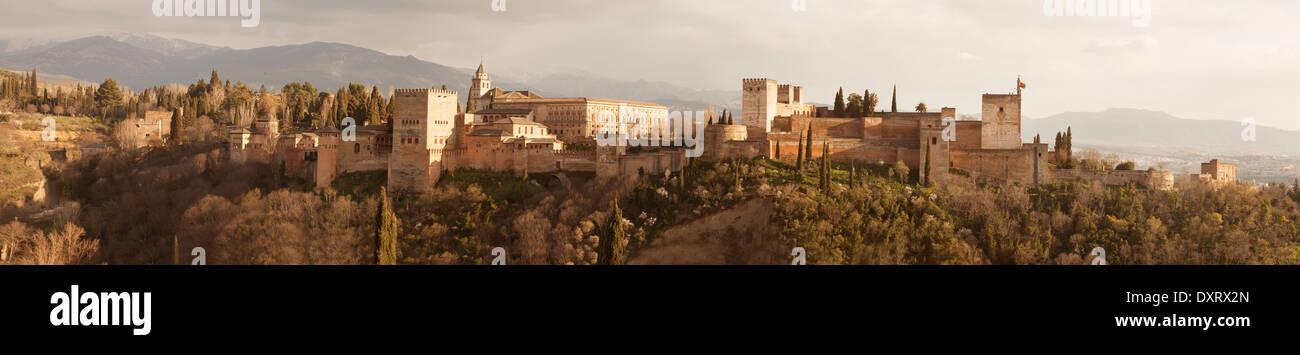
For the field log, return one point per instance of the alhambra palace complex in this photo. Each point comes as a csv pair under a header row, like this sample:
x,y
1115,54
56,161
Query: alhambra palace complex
x,y
519,131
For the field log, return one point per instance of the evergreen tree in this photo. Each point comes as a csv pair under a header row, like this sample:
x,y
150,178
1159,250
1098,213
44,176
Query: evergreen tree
x,y
376,106
735,172
108,96
853,173
341,103
922,108
386,229
358,102
893,106
799,155
216,80
826,166
388,112
372,113
177,128
612,245
808,147
869,102
1068,139
839,103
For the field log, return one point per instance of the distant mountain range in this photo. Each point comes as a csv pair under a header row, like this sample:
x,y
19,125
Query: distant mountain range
x,y
1157,139
1135,128
139,61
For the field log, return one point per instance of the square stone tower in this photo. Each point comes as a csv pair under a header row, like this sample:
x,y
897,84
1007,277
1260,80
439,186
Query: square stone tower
x,y
934,156
423,126
758,105
1001,122
1219,171
327,156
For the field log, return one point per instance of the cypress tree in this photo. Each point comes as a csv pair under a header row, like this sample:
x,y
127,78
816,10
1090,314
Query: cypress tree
x,y
376,113
839,103
893,106
1069,145
612,250
826,167
177,128
808,148
799,155
388,112
868,107
853,173
735,168
372,112
386,251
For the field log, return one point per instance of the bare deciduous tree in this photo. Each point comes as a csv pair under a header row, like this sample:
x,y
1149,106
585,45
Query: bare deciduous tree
x,y
68,246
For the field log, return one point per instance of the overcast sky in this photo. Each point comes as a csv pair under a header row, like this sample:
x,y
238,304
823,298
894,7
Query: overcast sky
x,y
1196,59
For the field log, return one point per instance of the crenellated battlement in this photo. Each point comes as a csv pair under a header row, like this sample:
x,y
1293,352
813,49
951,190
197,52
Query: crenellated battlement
x,y
411,92
422,92
757,81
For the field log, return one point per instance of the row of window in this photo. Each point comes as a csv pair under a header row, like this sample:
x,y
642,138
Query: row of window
x,y
528,130
416,140
417,122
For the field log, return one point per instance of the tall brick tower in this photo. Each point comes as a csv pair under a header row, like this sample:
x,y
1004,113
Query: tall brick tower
x,y
1000,128
758,105
423,125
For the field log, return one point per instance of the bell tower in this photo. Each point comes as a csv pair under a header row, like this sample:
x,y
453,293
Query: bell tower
x,y
481,83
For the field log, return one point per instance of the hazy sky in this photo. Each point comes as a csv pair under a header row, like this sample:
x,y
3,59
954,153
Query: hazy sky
x,y
1196,59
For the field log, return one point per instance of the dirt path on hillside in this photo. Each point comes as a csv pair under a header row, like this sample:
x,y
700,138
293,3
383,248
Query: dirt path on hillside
x,y
742,235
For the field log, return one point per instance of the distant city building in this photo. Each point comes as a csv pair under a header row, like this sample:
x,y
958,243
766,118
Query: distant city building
x,y
1218,172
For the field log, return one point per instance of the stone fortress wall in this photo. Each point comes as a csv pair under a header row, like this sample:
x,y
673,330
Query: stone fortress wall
x,y
521,132
986,149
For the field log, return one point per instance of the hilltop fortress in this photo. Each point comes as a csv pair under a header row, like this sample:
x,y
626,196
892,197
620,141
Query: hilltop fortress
x,y
775,114
520,131
515,131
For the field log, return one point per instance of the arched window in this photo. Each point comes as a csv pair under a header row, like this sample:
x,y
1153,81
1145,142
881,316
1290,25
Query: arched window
x,y
356,147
